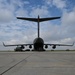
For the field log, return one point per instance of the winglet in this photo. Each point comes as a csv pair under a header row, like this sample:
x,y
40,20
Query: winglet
x,y
73,44
4,44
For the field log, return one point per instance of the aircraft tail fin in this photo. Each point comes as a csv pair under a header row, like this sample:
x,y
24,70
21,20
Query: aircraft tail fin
x,y
38,20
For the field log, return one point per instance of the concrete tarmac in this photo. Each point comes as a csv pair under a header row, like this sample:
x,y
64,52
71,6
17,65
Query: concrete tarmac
x,y
37,63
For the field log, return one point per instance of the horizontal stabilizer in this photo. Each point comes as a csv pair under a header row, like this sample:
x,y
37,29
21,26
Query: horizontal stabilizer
x,y
38,19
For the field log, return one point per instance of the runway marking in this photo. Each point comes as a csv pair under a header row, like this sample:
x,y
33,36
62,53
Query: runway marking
x,y
15,65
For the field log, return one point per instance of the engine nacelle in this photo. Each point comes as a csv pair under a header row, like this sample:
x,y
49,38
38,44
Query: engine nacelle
x,y
54,46
46,46
30,46
22,47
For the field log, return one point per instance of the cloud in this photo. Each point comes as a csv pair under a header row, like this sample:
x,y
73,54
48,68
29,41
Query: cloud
x,y
68,18
61,4
67,40
21,12
6,15
11,8
13,31
43,11
63,32
68,23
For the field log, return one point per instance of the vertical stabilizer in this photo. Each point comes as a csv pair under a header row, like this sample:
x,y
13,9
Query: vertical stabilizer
x,y
38,20
38,27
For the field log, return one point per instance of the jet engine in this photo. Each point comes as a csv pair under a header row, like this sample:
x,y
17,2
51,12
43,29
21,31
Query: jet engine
x,y
54,46
46,46
30,46
22,47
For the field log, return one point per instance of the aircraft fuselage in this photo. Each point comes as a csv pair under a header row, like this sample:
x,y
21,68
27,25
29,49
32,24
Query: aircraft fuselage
x,y
38,44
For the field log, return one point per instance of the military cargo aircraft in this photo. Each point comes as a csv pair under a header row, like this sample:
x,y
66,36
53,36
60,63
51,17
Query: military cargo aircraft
x,y
38,43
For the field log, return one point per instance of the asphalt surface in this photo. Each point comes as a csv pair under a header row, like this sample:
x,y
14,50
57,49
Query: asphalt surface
x,y
37,63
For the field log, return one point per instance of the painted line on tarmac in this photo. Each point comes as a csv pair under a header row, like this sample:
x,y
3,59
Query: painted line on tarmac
x,y
15,65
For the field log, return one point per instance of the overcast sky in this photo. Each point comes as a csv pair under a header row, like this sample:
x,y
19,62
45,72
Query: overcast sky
x,y
13,31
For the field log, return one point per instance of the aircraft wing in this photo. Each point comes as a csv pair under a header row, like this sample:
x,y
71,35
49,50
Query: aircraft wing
x,y
36,19
60,44
16,44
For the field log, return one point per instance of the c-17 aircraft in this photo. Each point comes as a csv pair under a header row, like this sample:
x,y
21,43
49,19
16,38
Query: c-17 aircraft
x,y
38,42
